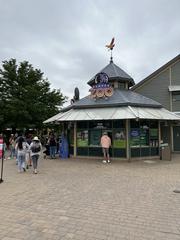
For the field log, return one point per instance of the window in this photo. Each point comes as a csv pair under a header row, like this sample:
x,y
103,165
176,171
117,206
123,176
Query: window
x,y
119,138
176,96
121,85
95,137
82,138
82,125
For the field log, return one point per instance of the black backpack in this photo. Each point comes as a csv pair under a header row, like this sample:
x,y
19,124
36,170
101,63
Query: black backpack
x,y
35,148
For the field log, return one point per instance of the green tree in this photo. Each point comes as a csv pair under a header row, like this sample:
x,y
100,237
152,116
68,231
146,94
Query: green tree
x,y
26,99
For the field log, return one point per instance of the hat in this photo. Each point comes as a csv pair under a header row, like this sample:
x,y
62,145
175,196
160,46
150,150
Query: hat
x,y
104,133
35,139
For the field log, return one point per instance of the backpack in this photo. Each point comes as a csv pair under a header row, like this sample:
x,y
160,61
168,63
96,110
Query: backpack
x,y
35,148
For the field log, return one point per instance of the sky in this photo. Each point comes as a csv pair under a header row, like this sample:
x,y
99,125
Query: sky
x,y
66,39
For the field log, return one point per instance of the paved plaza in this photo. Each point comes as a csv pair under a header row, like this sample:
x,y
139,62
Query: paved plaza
x,y
88,200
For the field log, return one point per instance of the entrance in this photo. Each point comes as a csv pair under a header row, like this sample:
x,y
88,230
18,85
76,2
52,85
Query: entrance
x,y
176,138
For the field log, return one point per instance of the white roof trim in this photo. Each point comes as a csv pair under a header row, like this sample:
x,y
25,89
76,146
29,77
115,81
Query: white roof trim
x,y
174,88
53,119
115,113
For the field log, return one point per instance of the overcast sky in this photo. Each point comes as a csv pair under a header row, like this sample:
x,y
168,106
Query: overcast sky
x,y
66,39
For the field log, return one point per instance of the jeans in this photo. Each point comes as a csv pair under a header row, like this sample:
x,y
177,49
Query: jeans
x,y
52,150
35,160
21,162
12,152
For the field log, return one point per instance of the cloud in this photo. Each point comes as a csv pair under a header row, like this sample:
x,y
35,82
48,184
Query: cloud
x,y
66,39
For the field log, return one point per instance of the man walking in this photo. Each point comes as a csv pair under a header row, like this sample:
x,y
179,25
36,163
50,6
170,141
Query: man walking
x,y
105,143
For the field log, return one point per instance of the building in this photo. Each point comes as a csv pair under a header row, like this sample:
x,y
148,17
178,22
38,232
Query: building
x,y
163,86
131,120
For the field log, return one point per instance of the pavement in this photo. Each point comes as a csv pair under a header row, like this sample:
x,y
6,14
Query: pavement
x,y
83,199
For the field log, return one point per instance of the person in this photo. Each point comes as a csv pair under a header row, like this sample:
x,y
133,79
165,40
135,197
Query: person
x,y
105,144
12,144
21,148
28,155
2,147
35,148
52,146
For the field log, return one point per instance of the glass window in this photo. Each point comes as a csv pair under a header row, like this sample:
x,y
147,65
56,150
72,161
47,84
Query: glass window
x,y
176,96
100,124
135,137
144,133
82,138
154,134
95,137
119,124
134,124
82,124
153,124
119,138
121,85
144,137
71,137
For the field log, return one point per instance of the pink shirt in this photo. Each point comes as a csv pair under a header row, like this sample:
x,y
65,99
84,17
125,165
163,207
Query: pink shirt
x,y
105,141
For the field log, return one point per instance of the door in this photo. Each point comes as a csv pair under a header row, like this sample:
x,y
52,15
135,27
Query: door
x,y
176,138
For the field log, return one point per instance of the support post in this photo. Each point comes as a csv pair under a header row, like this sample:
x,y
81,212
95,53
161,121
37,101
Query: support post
x,y
128,154
75,139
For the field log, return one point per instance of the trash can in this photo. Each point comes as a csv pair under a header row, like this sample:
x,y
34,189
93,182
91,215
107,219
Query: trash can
x,y
165,152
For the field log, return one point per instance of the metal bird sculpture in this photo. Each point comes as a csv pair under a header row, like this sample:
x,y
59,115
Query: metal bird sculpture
x,y
111,45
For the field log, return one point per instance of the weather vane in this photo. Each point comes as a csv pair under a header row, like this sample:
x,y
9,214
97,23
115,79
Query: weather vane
x,y
110,47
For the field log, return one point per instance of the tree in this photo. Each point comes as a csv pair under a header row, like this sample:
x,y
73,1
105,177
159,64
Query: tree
x,y
26,99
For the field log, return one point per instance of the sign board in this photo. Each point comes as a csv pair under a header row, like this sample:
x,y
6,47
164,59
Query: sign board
x,y
101,87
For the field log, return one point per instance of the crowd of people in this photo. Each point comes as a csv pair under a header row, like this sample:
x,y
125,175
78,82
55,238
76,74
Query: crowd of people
x,y
26,150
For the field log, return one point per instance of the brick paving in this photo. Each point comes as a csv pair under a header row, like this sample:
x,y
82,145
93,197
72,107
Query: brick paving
x,y
88,200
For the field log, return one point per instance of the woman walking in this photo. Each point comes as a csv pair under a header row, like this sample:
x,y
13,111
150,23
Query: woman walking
x,y
35,148
12,144
52,146
21,148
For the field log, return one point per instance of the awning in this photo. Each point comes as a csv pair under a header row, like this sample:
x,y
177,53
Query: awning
x,y
174,88
127,112
54,118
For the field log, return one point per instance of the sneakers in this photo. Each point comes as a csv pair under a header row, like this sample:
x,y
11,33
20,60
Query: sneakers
x,y
108,161
35,171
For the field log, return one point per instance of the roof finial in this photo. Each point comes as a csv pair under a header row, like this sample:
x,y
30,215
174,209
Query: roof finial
x,y
110,47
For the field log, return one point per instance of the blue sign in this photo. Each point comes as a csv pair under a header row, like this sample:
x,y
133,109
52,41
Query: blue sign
x,y
135,133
